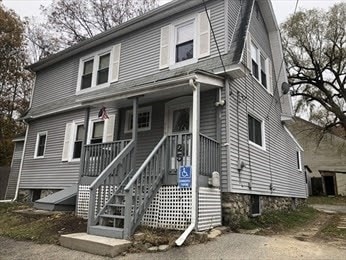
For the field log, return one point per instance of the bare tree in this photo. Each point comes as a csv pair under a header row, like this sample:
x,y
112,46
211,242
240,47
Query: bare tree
x,y
315,52
71,21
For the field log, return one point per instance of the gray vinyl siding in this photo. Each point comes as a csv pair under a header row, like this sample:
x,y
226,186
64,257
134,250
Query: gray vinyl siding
x,y
147,140
49,172
276,165
232,18
140,54
15,166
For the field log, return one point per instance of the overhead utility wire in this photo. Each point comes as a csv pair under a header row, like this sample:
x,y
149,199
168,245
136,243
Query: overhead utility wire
x,y
212,31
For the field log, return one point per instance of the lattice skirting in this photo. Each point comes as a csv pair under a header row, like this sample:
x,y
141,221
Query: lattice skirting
x,y
170,208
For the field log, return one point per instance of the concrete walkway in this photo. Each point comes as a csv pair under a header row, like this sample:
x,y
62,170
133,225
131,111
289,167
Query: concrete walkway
x,y
229,246
330,208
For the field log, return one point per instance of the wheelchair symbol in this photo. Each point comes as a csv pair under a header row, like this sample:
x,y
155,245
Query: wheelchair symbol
x,y
184,173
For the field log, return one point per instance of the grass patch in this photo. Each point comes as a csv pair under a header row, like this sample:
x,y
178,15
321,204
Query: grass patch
x,y
37,228
280,221
331,230
339,200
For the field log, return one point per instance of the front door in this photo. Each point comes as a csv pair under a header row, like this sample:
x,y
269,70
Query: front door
x,y
178,124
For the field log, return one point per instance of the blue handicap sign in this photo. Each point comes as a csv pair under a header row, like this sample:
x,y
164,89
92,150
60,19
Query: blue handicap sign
x,y
185,177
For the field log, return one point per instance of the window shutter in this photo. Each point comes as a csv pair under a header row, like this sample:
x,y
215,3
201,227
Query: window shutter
x,y
248,52
108,132
67,142
115,62
165,47
203,32
270,76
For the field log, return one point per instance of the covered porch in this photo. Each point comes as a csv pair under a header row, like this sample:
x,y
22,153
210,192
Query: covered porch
x,y
156,132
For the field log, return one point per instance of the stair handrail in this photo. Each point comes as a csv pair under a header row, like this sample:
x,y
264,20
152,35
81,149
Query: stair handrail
x,y
92,219
104,174
132,214
139,171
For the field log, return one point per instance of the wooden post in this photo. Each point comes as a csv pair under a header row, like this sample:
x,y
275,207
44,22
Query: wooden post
x,y
135,129
86,126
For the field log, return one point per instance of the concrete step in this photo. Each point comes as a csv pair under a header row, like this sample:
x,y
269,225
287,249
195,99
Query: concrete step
x,y
105,231
95,244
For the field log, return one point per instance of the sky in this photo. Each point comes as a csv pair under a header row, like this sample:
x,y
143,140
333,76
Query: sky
x,y
282,8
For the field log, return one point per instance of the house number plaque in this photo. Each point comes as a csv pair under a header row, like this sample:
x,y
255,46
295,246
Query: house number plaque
x,y
179,152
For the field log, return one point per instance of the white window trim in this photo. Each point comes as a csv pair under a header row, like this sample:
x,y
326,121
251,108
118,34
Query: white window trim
x,y
260,52
45,144
173,37
96,57
140,110
91,128
73,139
263,147
300,160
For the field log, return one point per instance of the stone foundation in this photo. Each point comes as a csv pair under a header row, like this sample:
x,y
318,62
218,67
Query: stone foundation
x,y
237,207
27,195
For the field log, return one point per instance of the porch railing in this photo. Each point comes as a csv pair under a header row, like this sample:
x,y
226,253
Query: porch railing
x,y
105,186
179,151
209,159
98,156
143,186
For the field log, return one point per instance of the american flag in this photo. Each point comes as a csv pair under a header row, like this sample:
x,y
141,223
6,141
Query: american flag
x,y
103,113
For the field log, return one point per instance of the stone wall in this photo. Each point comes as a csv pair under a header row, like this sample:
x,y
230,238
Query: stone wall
x,y
237,207
27,195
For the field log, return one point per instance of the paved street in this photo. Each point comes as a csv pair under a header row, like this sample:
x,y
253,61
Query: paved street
x,y
229,246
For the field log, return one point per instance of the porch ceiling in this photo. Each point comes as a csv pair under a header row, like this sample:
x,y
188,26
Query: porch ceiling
x,y
159,90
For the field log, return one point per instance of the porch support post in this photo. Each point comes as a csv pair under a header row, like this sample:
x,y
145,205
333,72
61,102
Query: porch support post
x,y
195,151
86,127
135,128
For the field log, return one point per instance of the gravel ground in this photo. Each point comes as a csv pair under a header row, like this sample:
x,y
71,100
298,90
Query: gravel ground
x,y
330,208
229,246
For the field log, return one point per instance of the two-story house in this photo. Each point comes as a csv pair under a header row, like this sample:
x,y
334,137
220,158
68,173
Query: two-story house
x,y
157,119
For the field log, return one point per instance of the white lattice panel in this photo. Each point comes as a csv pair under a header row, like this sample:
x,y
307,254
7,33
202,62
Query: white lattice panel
x,y
84,197
170,209
209,208
83,201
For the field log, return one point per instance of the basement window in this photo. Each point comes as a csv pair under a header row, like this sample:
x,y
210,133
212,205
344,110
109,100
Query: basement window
x,y
255,205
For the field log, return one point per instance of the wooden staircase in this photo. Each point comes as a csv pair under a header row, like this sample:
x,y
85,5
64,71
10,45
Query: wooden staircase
x,y
122,211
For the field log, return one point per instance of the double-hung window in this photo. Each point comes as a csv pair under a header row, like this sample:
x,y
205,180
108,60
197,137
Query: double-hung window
x,y
255,131
260,66
144,119
97,132
87,74
99,69
103,69
40,144
184,45
78,142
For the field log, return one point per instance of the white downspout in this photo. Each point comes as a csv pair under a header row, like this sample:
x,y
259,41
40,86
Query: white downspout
x,y
21,165
195,164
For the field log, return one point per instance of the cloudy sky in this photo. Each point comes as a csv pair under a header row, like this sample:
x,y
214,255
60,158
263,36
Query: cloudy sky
x,y
282,8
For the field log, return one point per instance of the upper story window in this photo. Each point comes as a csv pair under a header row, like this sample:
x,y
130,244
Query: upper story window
x,y
40,144
255,131
299,161
144,120
260,66
103,70
185,41
99,69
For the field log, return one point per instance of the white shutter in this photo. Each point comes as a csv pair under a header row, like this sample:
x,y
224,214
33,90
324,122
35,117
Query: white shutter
x,y
165,47
108,132
115,62
67,142
270,76
248,52
203,35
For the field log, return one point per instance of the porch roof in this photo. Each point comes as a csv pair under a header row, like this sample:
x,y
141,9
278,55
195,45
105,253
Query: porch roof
x,y
156,89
